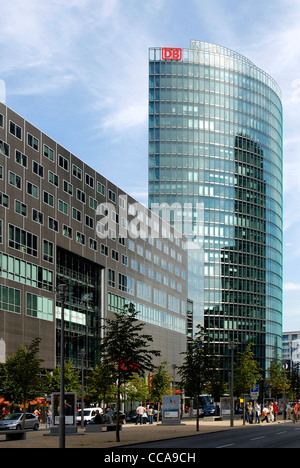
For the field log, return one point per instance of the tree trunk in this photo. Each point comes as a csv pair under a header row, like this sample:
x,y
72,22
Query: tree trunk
x,y
118,411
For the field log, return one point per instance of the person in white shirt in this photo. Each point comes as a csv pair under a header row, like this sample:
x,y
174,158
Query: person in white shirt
x,y
140,411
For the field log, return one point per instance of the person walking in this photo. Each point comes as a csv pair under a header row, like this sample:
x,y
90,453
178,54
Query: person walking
x,y
48,419
150,414
250,412
257,412
140,411
275,409
265,414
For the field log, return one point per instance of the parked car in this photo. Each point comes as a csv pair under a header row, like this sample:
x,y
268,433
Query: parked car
x,y
131,417
13,421
88,415
113,415
209,410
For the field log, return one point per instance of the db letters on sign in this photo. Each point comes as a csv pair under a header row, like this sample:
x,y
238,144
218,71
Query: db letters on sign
x,y
171,53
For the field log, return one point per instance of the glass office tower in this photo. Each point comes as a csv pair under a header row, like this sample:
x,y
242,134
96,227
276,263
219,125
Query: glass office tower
x,y
215,142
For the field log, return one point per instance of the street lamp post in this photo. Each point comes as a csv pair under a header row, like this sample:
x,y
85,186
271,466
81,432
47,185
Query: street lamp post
x,y
232,345
62,290
82,352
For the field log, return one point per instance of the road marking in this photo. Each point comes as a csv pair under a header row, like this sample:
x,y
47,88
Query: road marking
x,y
256,438
223,446
283,432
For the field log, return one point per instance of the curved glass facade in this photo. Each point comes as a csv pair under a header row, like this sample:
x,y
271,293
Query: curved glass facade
x,y
215,141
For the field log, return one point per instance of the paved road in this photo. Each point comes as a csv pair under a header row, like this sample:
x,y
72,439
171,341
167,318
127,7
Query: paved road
x,y
284,435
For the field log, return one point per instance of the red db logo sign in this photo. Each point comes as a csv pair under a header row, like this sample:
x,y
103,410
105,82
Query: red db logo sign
x,y
171,53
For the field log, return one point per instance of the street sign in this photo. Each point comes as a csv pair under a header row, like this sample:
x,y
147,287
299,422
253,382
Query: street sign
x,y
254,391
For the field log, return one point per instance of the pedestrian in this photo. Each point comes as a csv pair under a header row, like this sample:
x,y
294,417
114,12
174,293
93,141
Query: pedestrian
x,y
288,410
275,408
48,419
271,411
140,411
150,414
265,414
247,413
250,412
257,412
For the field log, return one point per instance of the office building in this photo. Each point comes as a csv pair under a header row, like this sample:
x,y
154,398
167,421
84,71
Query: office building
x,y
215,144
63,223
291,348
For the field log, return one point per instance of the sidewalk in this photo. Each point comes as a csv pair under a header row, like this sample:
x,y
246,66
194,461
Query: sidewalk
x,y
130,434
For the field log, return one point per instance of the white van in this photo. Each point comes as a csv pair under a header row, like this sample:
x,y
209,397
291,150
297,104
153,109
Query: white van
x,y
88,414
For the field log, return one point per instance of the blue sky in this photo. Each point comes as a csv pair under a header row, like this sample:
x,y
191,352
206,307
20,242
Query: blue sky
x,y
77,69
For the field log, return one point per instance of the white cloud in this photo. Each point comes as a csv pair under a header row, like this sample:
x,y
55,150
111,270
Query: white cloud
x,y
291,287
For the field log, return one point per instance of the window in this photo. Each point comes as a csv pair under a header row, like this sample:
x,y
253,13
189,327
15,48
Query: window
x,y
20,239
38,169
53,178
32,190
93,203
89,180
115,255
32,141
80,195
1,231
77,172
111,278
37,216
100,188
68,188
48,153
53,224
48,198
4,148
39,307
89,221
15,180
63,206
15,130
48,251
20,208
80,238
10,299
112,195
93,244
4,200
21,158
104,249
76,214
67,231
126,284
63,162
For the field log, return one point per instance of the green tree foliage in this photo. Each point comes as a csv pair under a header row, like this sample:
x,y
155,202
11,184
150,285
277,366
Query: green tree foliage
x,y
125,349
72,379
247,373
161,385
278,379
102,384
22,381
199,369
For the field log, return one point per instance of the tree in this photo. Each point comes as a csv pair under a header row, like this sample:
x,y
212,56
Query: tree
x,y
278,379
246,374
22,375
72,379
137,388
101,383
125,349
198,370
161,385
